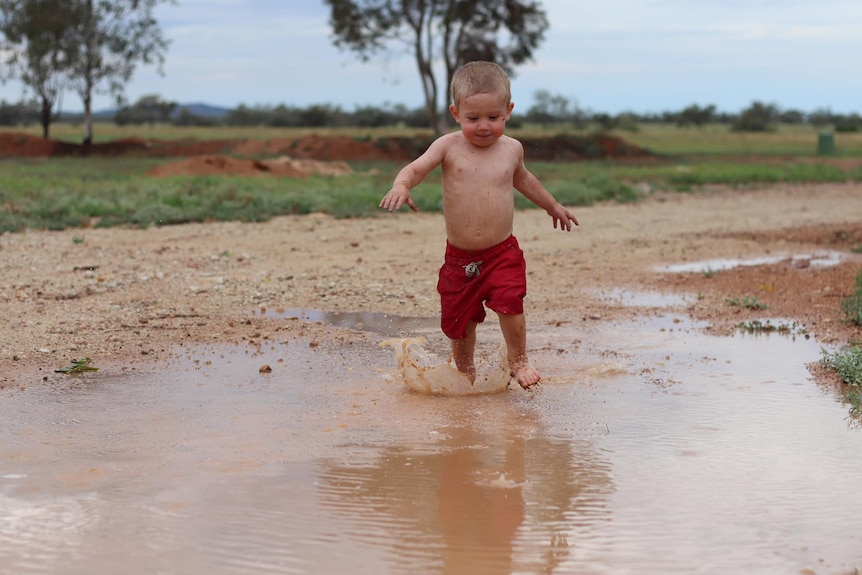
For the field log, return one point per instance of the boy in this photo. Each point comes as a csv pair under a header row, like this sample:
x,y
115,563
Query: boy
x,y
484,264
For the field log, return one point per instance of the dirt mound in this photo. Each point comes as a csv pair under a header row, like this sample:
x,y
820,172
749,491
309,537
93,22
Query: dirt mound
x,y
314,147
227,166
14,144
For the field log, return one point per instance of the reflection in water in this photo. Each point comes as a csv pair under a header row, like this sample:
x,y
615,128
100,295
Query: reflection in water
x,y
651,448
494,495
818,259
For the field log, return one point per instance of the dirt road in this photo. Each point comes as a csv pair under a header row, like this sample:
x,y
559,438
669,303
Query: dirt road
x,y
128,298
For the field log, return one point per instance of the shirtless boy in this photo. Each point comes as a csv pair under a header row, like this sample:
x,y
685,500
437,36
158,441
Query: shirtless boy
x,y
484,264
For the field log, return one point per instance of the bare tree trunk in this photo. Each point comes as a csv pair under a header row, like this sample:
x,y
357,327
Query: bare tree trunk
x,y
88,120
87,95
45,117
429,87
422,52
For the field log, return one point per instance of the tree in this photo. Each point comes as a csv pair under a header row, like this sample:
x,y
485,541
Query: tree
x,y
39,48
548,108
20,114
148,109
694,115
821,117
758,117
113,36
447,32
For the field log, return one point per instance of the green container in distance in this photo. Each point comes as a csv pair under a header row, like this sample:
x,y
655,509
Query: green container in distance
x,y
825,143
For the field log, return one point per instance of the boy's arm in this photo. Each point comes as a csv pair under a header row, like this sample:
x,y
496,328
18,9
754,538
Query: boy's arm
x,y
532,189
412,174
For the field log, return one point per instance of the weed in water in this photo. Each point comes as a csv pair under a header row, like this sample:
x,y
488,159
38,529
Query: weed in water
x,y
852,304
78,366
709,272
847,363
757,326
748,302
853,397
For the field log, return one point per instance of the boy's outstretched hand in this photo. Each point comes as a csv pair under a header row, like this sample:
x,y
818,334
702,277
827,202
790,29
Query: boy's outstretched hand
x,y
397,197
563,216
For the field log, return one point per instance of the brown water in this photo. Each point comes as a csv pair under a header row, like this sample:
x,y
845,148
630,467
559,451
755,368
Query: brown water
x,y
651,448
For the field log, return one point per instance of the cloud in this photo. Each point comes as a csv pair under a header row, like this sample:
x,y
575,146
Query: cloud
x,y
611,55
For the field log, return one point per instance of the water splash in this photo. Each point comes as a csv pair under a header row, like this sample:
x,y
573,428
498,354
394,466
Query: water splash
x,y
421,371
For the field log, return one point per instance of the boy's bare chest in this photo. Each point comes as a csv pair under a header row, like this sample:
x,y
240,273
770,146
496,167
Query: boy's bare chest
x,y
482,167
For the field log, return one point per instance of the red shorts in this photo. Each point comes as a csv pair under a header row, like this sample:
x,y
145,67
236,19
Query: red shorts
x,y
499,280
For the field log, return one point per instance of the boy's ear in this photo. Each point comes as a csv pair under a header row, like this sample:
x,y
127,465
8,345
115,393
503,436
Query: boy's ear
x,y
509,111
453,109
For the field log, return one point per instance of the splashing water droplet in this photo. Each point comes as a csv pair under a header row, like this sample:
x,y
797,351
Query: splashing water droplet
x,y
421,371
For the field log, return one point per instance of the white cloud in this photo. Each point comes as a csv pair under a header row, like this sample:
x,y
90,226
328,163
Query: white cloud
x,y
611,55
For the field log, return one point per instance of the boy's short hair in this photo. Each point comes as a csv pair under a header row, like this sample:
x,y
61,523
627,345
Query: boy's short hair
x,y
479,78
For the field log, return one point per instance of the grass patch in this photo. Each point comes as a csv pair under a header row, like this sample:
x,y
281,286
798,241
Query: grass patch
x,y
59,193
747,302
851,306
725,173
758,327
847,364
62,193
718,139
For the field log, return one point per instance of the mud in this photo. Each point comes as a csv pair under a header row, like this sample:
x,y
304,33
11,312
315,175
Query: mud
x,y
651,447
314,147
663,439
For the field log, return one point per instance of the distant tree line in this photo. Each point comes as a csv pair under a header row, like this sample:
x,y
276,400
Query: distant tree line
x,y
86,46
547,110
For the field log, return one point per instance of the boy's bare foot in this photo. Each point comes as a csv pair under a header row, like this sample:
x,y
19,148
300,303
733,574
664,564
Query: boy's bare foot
x,y
467,369
524,373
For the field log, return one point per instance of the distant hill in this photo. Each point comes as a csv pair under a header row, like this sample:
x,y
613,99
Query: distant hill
x,y
195,108
202,110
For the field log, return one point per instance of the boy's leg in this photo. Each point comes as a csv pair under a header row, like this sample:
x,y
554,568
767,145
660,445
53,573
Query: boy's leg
x,y
463,351
514,328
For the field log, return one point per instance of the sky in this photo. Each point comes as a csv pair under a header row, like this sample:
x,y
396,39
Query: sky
x,y
612,56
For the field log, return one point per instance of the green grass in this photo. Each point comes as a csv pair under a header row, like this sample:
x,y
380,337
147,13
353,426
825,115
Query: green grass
x,y
748,302
107,131
92,192
71,192
664,139
759,327
847,364
59,193
719,140
852,304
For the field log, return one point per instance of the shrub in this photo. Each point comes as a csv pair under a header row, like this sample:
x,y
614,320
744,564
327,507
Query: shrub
x,y
759,117
848,364
852,304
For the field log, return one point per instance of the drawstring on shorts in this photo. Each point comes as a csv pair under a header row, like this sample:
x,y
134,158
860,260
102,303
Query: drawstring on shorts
x,y
472,269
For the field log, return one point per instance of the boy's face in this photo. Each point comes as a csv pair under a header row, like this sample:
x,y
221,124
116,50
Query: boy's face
x,y
482,117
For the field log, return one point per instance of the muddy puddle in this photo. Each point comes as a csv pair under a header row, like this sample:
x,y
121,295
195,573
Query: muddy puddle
x,y
650,448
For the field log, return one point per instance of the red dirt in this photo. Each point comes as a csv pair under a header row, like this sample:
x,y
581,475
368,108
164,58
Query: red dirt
x,y
316,147
214,157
